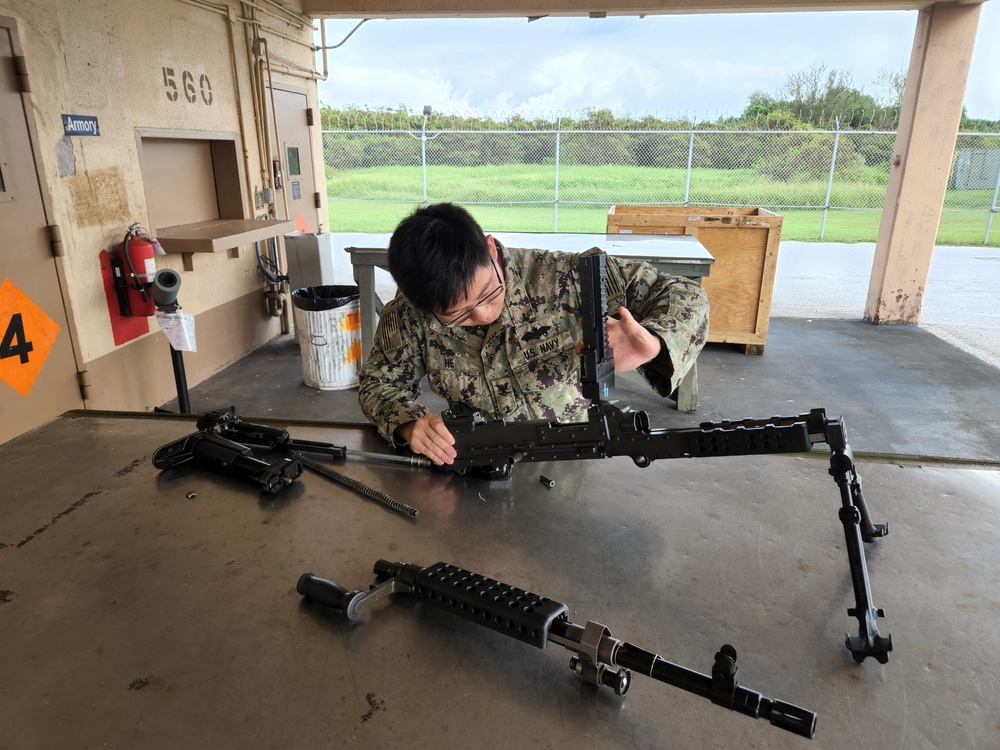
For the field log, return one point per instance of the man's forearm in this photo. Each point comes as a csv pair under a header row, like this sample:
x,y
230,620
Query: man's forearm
x,y
388,411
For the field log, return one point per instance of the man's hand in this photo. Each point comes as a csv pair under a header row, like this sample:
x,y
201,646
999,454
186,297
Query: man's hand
x,y
633,345
429,437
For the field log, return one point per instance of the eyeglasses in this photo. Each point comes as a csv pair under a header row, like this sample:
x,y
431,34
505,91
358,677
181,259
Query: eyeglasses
x,y
485,300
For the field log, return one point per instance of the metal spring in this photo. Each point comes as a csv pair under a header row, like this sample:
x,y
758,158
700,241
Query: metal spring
x,y
354,484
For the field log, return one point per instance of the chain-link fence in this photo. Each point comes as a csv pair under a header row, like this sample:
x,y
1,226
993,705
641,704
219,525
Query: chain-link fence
x,y
828,184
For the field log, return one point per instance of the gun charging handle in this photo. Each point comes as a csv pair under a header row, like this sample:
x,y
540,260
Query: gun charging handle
x,y
330,594
354,604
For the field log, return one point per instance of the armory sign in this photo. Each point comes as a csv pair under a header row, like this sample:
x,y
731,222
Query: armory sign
x,y
80,125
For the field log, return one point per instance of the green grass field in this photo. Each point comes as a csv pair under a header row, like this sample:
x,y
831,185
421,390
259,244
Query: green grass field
x,y
375,199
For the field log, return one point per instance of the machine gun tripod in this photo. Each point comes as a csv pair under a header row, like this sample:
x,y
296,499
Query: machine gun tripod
x,y
494,446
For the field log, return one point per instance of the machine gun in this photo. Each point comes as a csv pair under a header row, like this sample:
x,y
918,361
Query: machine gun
x,y
599,658
612,429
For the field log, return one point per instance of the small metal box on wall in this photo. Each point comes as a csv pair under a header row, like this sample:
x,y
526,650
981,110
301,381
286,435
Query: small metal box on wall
x,y
310,259
744,243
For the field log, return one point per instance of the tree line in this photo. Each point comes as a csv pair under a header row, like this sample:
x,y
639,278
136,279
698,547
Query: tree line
x,y
816,98
803,110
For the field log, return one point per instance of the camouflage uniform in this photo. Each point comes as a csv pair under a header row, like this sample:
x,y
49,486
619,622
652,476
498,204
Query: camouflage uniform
x,y
525,365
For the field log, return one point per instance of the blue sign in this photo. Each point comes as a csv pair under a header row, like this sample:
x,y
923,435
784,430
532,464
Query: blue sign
x,y
80,125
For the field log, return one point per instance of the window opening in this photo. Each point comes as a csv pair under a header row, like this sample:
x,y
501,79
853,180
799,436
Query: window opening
x,y
293,161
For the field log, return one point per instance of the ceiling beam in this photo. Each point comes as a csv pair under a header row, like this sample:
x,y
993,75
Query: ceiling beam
x,y
536,8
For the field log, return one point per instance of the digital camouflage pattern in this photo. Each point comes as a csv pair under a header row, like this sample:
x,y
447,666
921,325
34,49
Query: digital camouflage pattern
x,y
525,365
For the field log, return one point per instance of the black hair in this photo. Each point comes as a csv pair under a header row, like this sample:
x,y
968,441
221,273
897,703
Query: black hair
x,y
434,255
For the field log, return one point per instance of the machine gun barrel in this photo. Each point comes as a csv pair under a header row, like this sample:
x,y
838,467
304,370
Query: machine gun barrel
x,y
536,620
719,688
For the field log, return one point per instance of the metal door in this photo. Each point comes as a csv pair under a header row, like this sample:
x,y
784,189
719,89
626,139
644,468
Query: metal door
x,y
37,368
292,145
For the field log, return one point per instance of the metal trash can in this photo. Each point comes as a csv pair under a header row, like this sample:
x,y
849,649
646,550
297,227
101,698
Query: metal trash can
x,y
328,326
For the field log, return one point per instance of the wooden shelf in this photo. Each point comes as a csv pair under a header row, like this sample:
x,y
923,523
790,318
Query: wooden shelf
x,y
217,235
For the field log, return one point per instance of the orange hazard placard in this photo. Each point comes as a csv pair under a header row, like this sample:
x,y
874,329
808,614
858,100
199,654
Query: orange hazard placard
x,y
26,338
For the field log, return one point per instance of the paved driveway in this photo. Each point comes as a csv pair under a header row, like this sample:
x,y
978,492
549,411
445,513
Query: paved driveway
x,y
961,304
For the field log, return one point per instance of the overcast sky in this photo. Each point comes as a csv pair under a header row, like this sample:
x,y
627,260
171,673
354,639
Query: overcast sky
x,y
696,65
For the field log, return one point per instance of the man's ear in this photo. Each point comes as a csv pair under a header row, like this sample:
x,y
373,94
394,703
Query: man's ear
x,y
492,245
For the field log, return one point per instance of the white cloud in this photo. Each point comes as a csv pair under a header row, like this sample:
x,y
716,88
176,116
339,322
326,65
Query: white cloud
x,y
982,94
414,87
666,65
573,81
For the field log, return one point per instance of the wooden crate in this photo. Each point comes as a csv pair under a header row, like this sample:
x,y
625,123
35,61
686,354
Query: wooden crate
x,y
744,243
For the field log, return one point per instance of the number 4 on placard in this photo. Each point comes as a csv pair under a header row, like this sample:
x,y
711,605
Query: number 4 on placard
x,y
14,343
27,336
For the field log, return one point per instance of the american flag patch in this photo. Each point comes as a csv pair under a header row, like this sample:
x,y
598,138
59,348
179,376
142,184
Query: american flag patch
x,y
389,337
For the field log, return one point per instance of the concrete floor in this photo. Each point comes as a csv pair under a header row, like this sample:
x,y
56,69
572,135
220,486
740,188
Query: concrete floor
x,y
830,280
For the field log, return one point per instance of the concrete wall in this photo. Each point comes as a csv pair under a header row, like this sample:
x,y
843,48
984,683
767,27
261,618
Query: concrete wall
x,y
106,58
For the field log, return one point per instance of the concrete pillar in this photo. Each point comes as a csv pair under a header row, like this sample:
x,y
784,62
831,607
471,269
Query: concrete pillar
x,y
925,144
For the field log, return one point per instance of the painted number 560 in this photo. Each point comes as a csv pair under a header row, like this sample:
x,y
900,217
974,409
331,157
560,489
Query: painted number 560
x,y
187,85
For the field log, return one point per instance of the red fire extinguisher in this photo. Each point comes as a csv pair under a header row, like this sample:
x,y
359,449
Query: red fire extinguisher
x,y
134,269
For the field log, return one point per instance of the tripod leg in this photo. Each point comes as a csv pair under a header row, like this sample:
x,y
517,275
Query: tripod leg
x,y
869,531
854,516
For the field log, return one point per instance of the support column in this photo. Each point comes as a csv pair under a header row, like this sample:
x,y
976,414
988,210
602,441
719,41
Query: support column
x,y
925,143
